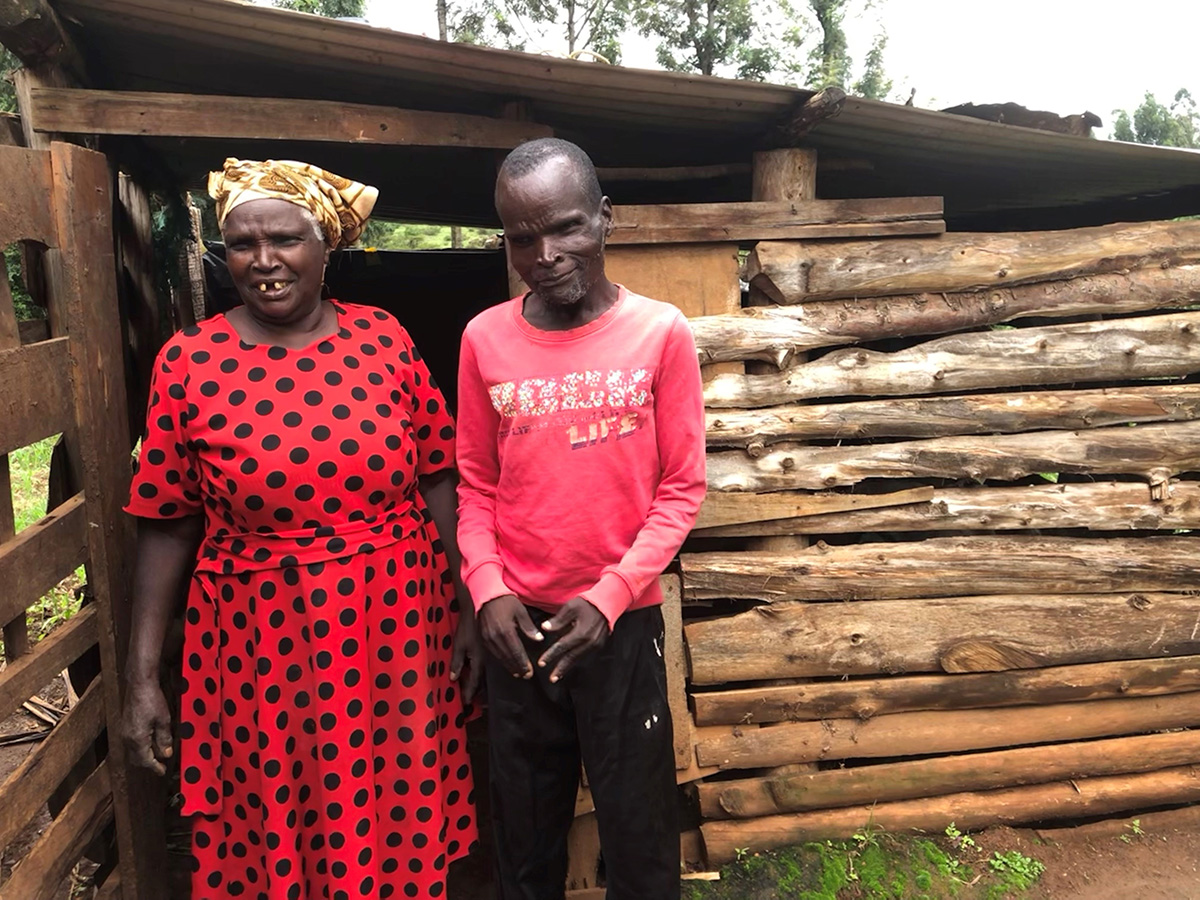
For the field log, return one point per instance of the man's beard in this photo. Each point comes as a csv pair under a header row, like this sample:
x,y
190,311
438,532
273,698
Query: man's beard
x,y
570,293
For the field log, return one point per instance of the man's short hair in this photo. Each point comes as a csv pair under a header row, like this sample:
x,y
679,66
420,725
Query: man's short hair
x,y
532,155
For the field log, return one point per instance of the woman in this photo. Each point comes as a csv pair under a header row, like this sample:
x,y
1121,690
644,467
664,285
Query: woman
x,y
302,445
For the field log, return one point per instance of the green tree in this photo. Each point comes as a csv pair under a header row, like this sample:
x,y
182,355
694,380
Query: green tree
x,y
333,9
1154,123
8,93
710,36
874,83
593,26
784,40
829,60
383,234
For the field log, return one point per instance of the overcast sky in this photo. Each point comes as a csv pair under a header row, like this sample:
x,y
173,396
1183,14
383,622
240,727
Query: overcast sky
x,y
1066,56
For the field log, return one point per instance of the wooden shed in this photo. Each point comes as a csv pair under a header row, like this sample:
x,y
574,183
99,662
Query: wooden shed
x,y
947,568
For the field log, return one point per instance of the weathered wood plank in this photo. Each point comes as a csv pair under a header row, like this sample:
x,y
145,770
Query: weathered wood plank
x,y
1121,350
1078,798
778,333
24,212
636,233
16,632
912,779
700,279
676,666
86,296
791,272
774,213
862,698
72,111
959,634
64,840
25,790
608,174
23,678
1103,506
735,509
961,414
945,731
947,567
41,556
757,220
35,400
1154,452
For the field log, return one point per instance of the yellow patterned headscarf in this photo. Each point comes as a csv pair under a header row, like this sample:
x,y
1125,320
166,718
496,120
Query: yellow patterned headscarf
x,y
341,206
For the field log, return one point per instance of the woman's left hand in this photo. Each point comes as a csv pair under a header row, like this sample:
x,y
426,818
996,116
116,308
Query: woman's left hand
x,y
468,654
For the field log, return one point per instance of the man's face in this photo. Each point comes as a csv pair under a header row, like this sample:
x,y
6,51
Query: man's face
x,y
555,237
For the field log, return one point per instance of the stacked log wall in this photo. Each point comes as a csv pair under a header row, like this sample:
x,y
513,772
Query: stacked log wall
x,y
991,444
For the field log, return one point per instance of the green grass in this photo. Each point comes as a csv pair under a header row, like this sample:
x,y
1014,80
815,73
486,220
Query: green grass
x,y
873,866
29,472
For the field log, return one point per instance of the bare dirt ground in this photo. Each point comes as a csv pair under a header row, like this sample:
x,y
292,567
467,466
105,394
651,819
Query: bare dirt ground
x,y
1108,861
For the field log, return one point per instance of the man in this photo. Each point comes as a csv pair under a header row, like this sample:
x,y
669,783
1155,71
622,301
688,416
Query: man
x,y
581,454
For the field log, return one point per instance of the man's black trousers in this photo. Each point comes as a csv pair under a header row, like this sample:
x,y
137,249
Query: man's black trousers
x,y
611,711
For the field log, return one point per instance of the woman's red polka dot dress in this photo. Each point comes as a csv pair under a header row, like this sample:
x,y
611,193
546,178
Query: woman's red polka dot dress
x,y
323,752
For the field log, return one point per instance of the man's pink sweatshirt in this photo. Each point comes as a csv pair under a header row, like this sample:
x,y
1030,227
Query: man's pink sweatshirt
x,y
581,455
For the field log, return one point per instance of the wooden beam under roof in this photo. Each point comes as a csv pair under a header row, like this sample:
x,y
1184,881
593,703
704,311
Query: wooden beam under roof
x,y
200,115
778,220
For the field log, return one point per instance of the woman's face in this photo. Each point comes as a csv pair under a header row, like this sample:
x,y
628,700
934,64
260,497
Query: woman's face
x,y
276,259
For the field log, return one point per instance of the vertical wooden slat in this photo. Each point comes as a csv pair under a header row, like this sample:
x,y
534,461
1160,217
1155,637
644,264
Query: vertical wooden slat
x,y
32,257
143,316
676,665
194,269
16,632
84,290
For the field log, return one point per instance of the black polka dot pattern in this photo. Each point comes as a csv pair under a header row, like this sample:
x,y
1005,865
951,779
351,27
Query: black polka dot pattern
x,y
323,752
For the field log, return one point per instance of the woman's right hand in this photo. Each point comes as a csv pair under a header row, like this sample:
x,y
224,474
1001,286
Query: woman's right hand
x,y
146,726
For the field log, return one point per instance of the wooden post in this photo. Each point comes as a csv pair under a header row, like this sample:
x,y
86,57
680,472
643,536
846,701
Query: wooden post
x,y
785,175
518,111
83,279
782,175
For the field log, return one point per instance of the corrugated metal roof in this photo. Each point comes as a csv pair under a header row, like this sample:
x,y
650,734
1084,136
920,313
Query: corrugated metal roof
x,y
991,175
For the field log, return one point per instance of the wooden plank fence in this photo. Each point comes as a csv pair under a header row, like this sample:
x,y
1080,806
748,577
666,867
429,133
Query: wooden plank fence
x,y
69,380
